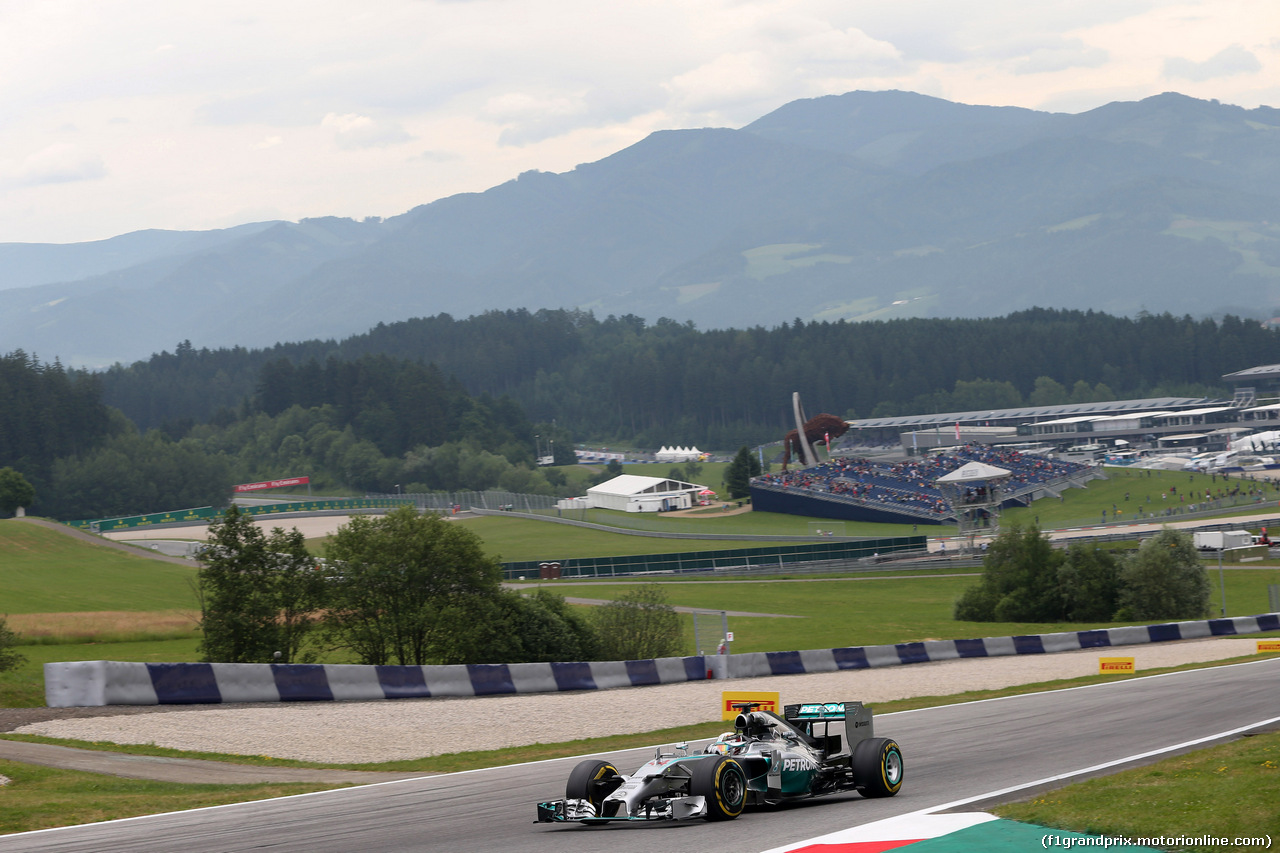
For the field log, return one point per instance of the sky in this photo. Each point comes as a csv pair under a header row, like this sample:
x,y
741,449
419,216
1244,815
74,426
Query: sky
x,y
120,116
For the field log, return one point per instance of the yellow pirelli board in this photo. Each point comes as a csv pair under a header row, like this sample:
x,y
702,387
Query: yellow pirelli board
x,y
766,702
1115,666
1268,646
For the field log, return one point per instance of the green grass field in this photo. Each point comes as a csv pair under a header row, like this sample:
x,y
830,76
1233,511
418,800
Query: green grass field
x,y
1227,791
44,797
876,610
1085,506
44,571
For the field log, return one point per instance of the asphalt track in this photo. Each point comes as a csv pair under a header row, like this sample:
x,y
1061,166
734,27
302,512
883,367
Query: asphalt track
x,y
955,755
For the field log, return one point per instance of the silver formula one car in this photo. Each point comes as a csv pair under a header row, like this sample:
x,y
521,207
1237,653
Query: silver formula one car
x,y
765,759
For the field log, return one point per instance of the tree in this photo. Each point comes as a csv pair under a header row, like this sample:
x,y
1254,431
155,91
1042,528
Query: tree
x,y
737,477
8,639
1089,580
639,625
411,588
15,491
1019,581
1047,392
1164,579
258,593
300,589
539,627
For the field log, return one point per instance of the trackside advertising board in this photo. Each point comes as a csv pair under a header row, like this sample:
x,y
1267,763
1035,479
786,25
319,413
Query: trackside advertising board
x,y
766,701
1115,666
273,484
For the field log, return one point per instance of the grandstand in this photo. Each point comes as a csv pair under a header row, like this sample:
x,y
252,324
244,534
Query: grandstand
x,y
907,491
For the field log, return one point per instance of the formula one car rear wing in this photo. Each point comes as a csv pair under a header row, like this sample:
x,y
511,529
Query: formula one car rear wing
x,y
856,717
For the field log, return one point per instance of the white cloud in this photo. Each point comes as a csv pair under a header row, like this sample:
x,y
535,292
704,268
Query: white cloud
x,y
352,131
1064,55
59,163
1225,63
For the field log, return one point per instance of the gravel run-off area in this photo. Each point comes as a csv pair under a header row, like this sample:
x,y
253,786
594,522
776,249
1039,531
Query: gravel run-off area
x,y
370,732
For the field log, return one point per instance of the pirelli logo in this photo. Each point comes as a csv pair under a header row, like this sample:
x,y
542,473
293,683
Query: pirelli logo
x,y
729,698
1115,666
1268,646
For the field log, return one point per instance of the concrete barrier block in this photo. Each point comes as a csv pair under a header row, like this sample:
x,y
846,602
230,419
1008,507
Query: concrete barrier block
x,y
246,682
999,646
1064,642
912,653
490,679
941,649
818,660
184,683
749,665
1130,635
75,684
574,675
448,680
673,670
127,683
533,678
882,655
352,682
610,674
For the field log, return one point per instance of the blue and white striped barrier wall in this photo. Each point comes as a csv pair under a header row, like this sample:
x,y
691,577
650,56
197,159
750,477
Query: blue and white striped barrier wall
x,y
864,657
100,682
119,683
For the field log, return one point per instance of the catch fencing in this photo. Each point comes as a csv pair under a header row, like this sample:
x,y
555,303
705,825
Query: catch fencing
x,y
830,556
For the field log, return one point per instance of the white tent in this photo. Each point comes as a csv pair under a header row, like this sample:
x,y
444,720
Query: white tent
x,y
972,472
678,454
634,493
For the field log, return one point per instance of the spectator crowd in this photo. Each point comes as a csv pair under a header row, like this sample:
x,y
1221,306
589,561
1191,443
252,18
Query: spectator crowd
x,y
911,485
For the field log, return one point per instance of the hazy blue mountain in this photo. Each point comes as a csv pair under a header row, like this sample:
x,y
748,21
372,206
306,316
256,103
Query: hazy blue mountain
x,y
863,205
29,264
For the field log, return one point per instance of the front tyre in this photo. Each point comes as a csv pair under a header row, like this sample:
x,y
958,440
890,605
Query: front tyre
x,y
723,783
877,767
592,781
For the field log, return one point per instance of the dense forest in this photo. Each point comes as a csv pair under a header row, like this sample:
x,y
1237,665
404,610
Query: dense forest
x,y
622,381
366,425
438,404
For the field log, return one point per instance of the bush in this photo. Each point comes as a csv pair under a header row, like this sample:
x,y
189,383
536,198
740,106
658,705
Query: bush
x,y
1164,580
1025,580
540,627
1019,581
1089,579
639,625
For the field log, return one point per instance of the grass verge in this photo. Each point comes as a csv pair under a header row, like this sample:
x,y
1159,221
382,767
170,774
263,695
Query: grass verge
x,y
1227,791
44,797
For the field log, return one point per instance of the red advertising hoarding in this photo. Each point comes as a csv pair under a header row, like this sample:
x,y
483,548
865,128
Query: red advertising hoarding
x,y
273,484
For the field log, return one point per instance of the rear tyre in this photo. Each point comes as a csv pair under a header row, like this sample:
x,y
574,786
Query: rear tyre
x,y
877,767
723,783
592,781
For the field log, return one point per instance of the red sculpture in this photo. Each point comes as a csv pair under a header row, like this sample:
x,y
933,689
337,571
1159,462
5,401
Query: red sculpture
x,y
817,430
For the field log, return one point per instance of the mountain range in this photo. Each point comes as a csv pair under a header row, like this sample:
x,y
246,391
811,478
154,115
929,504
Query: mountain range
x,y
867,205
